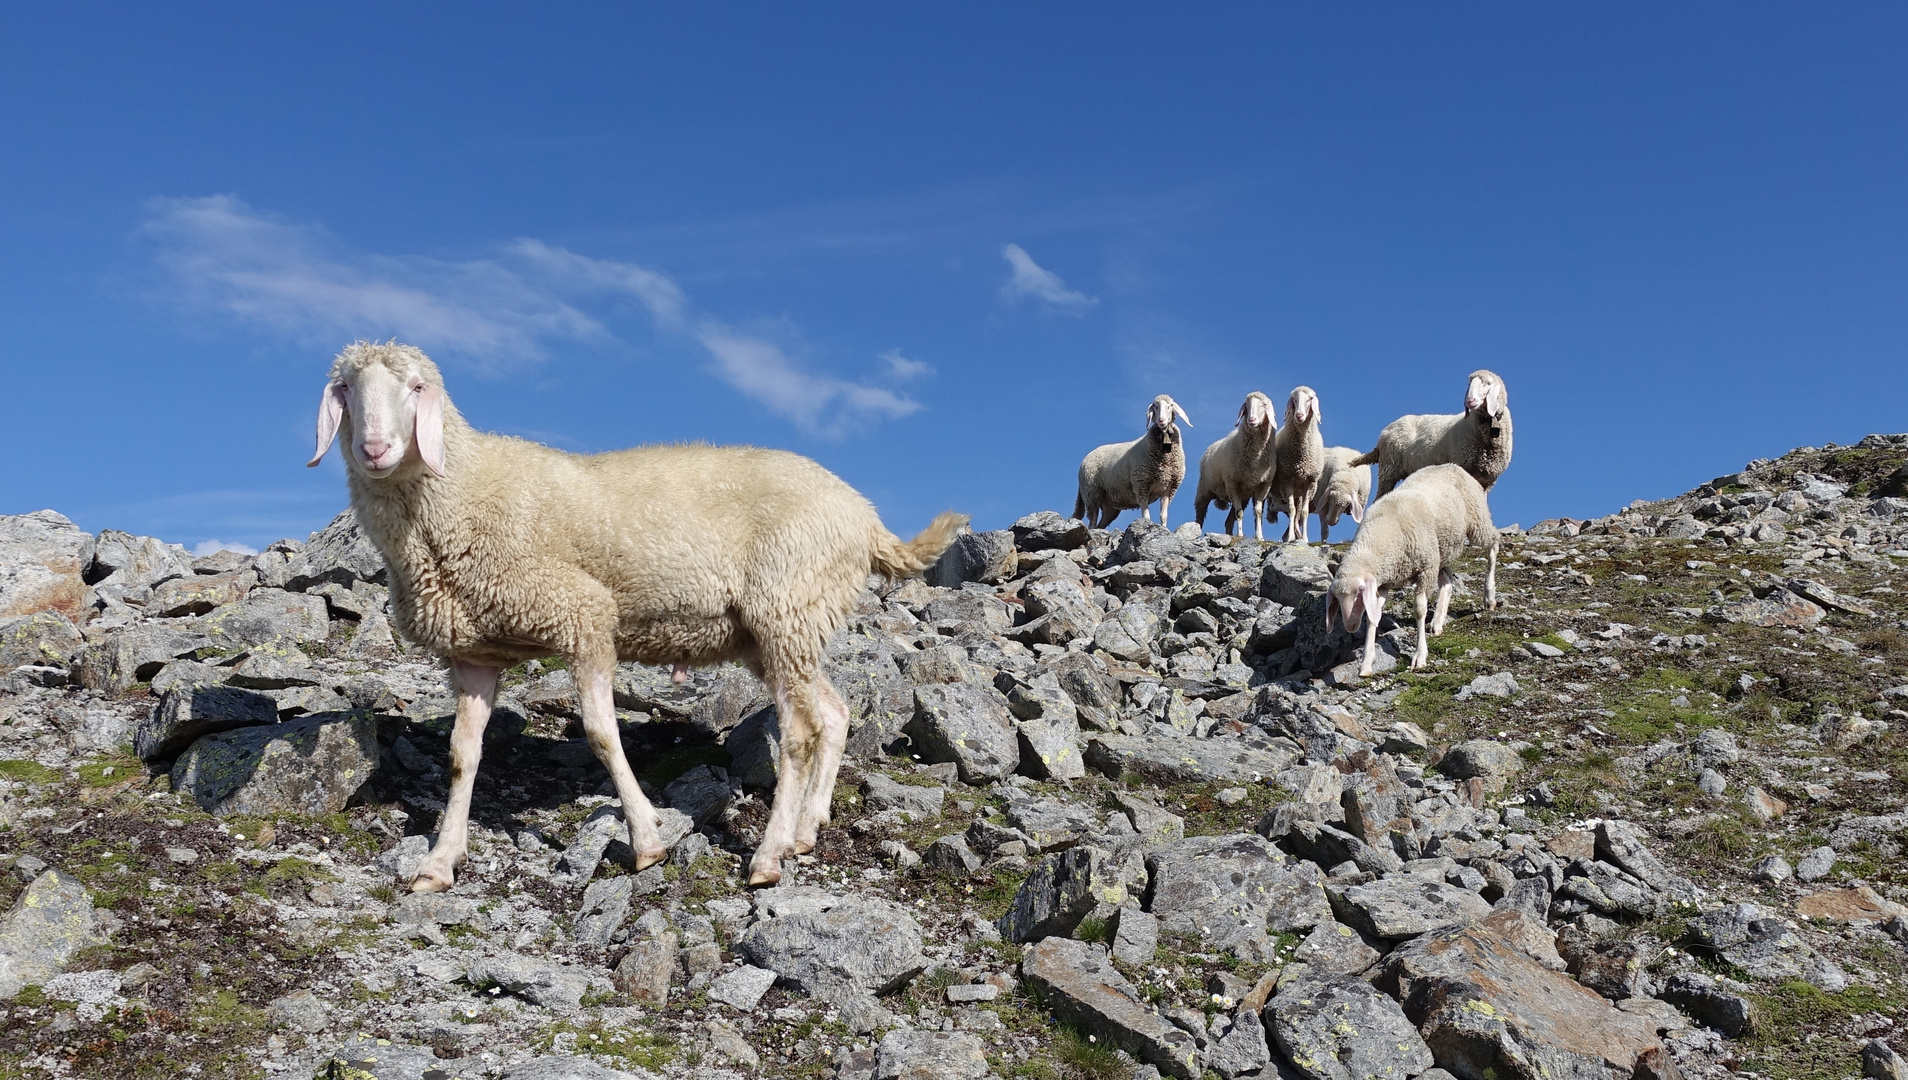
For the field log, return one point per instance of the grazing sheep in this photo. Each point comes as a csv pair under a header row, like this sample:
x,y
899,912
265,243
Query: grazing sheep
x,y
1411,537
1133,475
502,550
1300,450
1479,439
1236,471
1342,488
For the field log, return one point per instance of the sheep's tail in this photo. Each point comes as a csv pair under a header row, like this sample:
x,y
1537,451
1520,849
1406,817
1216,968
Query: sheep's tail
x,y
897,559
1366,459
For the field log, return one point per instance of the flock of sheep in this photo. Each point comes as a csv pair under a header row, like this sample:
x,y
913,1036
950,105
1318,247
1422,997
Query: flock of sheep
x,y
501,550
1440,465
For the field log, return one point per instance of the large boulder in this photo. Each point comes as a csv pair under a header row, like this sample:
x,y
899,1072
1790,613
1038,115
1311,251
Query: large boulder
x,y
1405,905
199,594
969,725
131,563
1045,530
314,765
339,554
856,949
1764,945
880,701
44,637
1179,759
1337,1027
132,654
268,615
42,559
1291,574
1487,759
1490,1012
1083,988
1226,892
912,1054
1063,890
984,557
48,926
186,712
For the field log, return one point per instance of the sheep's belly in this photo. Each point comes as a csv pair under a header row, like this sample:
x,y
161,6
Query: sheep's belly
x,y
687,639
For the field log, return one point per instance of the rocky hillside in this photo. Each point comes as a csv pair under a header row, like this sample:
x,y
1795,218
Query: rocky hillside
x,y
1116,806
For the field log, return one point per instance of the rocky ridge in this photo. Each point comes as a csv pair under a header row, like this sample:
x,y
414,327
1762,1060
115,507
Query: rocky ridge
x,y
1115,806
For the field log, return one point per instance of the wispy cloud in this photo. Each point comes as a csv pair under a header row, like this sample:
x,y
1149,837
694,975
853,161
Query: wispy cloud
x,y
301,282
212,547
903,368
1030,279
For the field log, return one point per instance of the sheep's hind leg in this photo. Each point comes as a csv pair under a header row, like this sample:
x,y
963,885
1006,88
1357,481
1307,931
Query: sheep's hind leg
x,y
1423,656
819,797
594,688
476,690
1444,603
796,711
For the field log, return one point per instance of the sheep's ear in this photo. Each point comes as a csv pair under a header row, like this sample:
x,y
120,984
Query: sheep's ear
x,y
1180,412
1358,509
430,427
1372,605
331,409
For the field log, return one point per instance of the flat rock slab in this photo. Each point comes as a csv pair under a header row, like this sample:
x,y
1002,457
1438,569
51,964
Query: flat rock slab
x,y
858,948
1228,891
1488,1010
1405,905
561,1067
969,725
740,988
1177,759
1050,823
50,923
1860,904
1765,946
309,766
185,713
912,1054
268,615
1083,988
536,981
1343,1028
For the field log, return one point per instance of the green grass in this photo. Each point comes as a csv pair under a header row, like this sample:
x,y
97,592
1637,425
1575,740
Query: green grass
x,y
1086,1057
1780,1045
26,772
1093,928
626,1046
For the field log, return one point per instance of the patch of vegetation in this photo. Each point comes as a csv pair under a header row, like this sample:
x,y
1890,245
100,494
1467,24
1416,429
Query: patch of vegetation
x,y
115,768
26,772
627,1047
1093,928
1086,1057
1783,1043
1206,816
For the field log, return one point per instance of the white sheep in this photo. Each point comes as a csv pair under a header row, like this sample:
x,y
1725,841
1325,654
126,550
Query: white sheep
x,y
1300,450
1411,537
1479,438
502,550
1236,471
1134,475
1342,488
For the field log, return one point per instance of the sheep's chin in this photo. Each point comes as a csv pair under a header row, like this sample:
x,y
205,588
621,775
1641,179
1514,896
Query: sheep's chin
x,y
379,474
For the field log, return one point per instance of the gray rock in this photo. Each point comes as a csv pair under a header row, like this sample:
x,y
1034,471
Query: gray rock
x,y
132,654
785,900
702,793
984,557
740,988
402,860
365,1058
1773,870
124,561
1046,530
1708,1003
1618,843
185,713
340,554
1059,614
951,855
536,981
1242,1049
438,909
563,1067
605,906
1062,890
50,923
42,638
1050,749
1292,575
1227,891
1816,864
861,947
199,594
1502,685
1343,1028
1049,823
755,750
301,1010
1492,761
1332,948
1404,906
912,1054
1328,846
968,725
1879,1060
605,826
1155,825
1779,608
919,803
308,766
645,971
1765,946
1176,759
274,665
42,557
268,615
1135,936
1082,987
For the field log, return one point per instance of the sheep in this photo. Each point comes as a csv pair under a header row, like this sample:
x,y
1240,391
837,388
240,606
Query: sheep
x,y
1411,537
1479,439
1237,470
1342,488
502,550
1133,475
1300,450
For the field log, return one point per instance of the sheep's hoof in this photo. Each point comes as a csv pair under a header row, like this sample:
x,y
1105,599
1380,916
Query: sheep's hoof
x,y
803,847
650,856
764,875
430,881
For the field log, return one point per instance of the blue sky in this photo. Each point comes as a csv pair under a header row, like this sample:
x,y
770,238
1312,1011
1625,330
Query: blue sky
x,y
943,252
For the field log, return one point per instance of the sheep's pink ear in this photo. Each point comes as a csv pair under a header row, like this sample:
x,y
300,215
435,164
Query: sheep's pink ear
x,y
430,427
1370,602
1358,510
1181,412
331,409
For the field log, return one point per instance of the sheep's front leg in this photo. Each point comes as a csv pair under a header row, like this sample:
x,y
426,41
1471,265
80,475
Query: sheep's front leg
x,y
1258,522
595,689
1490,581
1305,518
1423,656
476,690
1444,604
1372,615
1164,502
796,712
820,781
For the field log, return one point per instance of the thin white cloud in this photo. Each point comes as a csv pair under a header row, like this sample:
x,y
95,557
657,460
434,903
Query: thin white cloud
x,y
1030,279
301,282
903,368
212,547
819,404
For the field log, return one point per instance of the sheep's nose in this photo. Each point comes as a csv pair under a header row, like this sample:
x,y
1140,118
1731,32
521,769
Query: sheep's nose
x,y
375,449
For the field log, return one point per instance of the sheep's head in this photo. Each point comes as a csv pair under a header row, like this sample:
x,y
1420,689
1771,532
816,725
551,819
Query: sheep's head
x,y
389,399
1355,598
1257,412
1159,415
1301,407
1487,392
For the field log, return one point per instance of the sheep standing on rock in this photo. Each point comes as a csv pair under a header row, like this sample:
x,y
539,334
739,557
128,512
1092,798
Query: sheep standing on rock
x,y
1134,475
1478,439
1236,471
1342,488
502,550
1300,450
1411,537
